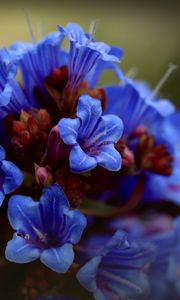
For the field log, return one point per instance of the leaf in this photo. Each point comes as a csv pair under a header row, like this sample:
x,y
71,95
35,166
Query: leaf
x,y
97,209
104,210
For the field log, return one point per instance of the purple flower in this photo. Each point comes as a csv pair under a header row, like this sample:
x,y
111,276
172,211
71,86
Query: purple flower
x,y
91,136
116,271
10,176
45,230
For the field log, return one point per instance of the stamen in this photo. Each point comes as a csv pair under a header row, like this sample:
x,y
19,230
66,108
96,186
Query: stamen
x,y
132,72
92,29
29,25
170,69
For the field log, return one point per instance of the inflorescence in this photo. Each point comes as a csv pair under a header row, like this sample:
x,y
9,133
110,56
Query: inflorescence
x,y
104,162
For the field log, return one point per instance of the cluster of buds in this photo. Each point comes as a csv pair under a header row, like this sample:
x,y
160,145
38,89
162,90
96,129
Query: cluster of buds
x,y
153,157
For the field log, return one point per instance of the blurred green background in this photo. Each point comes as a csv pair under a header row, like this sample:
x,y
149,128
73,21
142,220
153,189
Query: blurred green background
x,y
148,31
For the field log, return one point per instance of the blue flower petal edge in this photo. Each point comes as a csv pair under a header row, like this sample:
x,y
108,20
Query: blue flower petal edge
x,y
10,176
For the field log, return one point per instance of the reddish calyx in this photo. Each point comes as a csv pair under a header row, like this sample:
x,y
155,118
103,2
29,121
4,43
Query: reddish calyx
x,y
64,97
126,154
30,127
28,137
153,157
71,184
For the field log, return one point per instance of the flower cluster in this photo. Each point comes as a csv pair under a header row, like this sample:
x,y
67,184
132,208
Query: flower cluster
x,y
91,174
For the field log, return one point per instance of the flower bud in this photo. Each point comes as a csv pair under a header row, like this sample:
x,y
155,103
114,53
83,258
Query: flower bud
x,y
43,175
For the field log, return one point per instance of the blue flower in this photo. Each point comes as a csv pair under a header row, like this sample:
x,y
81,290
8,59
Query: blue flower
x,y
158,119
93,76
126,102
10,176
37,61
164,106
45,230
91,137
162,232
85,54
116,272
12,99
169,186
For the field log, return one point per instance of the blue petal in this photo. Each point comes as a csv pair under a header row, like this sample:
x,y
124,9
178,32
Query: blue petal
x,y
24,216
8,68
2,153
18,100
76,222
169,187
39,60
109,130
85,54
89,111
134,111
117,271
81,61
58,259
88,273
20,251
5,95
126,283
74,32
2,196
68,129
109,158
163,106
8,71
13,176
52,204
80,161
94,75
79,38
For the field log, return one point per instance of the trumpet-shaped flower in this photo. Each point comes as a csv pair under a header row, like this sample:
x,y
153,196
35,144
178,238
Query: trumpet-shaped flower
x,y
116,272
127,103
91,136
37,61
45,230
162,232
85,54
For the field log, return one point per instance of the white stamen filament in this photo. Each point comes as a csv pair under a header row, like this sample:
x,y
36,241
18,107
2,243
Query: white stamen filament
x,y
29,25
132,72
170,69
92,29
